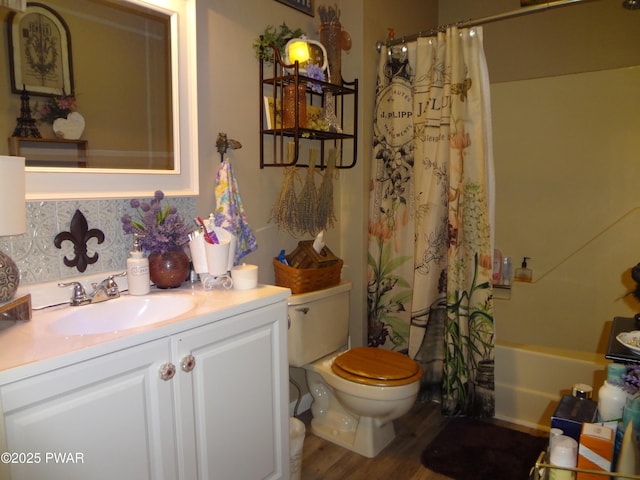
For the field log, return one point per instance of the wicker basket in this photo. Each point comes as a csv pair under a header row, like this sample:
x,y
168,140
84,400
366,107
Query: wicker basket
x,y
302,280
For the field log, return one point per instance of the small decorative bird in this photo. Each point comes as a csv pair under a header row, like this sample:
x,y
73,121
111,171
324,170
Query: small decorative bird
x,y
223,144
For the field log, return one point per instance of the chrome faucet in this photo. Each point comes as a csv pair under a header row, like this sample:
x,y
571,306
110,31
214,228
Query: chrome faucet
x,y
103,291
106,289
79,296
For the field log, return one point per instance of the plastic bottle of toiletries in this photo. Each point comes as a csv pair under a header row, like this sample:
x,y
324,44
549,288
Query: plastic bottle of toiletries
x,y
524,273
497,266
611,397
582,390
628,460
630,415
564,453
506,271
138,270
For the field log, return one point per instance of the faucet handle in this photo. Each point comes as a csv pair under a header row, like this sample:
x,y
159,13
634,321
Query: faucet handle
x,y
121,274
110,284
79,296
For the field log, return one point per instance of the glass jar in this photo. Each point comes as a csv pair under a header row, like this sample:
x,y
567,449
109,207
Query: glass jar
x,y
330,37
289,108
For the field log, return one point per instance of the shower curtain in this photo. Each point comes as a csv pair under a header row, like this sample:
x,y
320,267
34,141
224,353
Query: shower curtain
x,y
431,218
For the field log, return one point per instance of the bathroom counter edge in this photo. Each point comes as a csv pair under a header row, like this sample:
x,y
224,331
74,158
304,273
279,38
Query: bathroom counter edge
x,y
29,347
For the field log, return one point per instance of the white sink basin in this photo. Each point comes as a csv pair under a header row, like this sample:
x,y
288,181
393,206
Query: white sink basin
x,y
120,314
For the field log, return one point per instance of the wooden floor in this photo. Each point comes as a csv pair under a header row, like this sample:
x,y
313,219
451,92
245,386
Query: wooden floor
x,y
323,460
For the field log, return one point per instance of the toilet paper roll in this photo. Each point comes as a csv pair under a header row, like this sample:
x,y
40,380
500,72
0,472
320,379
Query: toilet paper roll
x,y
554,435
564,453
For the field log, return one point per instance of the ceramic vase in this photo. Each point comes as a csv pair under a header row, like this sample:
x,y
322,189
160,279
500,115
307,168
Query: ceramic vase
x,y
169,269
9,278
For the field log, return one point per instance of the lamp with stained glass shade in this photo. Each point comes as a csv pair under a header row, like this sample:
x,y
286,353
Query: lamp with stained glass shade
x,y
12,220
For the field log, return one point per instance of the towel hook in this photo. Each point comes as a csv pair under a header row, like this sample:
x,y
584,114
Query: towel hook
x,y
223,144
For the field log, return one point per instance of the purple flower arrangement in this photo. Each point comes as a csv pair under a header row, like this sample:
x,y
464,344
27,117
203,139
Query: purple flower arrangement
x,y
315,72
160,227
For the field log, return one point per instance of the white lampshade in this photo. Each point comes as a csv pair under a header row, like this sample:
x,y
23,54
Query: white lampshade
x,y
12,193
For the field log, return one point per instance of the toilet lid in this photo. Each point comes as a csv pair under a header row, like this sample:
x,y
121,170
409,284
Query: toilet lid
x,y
376,366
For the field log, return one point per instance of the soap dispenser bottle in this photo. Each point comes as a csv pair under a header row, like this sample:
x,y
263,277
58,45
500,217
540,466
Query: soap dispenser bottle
x,y
138,270
524,273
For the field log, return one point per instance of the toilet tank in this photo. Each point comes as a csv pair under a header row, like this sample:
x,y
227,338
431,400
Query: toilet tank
x,y
318,323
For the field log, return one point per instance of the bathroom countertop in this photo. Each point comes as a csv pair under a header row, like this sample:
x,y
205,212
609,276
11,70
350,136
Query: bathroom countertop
x,y
32,347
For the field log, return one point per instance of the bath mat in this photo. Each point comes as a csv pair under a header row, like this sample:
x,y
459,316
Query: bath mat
x,y
469,449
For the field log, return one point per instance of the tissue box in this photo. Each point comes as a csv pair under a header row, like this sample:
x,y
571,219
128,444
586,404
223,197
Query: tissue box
x,y
571,413
304,256
308,270
595,451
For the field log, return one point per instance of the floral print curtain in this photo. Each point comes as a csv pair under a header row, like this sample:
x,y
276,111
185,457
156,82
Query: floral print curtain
x,y
431,217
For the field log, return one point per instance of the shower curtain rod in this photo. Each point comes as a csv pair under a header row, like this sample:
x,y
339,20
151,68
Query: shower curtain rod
x,y
480,21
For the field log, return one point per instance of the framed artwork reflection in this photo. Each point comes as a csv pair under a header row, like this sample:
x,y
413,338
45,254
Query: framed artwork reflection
x,y
40,52
304,6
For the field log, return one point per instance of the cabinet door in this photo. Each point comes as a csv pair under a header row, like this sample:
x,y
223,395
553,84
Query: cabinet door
x,y
106,418
237,393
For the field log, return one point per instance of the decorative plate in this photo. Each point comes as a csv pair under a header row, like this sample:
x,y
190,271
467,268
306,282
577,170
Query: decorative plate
x,y
631,340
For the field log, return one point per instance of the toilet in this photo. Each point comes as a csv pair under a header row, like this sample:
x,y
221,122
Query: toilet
x,y
357,392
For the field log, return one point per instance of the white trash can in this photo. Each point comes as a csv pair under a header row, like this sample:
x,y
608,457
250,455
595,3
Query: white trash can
x,y
297,432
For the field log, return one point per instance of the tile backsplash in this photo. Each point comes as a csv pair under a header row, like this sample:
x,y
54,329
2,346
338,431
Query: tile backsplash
x,y
39,260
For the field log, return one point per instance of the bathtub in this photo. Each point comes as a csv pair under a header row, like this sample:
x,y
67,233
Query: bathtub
x,y
531,379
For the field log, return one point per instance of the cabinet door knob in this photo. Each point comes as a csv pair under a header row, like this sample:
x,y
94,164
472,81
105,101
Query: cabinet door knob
x,y
167,371
188,363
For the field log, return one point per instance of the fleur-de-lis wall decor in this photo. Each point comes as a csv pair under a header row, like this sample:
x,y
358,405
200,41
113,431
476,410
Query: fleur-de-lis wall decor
x,y
79,235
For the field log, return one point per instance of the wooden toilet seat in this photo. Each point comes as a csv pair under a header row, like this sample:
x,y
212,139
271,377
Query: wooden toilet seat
x,y
376,366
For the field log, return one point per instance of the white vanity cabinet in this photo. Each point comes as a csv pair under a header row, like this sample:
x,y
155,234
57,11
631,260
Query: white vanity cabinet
x,y
234,395
221,415
113,414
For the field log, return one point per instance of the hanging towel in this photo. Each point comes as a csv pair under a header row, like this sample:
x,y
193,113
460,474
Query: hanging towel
x,y
230,214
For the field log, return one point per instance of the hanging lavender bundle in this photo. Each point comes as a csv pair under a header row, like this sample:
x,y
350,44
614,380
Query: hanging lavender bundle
x,y
285,209
308,201
325,211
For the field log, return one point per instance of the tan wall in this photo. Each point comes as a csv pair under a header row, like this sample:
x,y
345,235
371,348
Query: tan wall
x,y
228,102
578,37
228,94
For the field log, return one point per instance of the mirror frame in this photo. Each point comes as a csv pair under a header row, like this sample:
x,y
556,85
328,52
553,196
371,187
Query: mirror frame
x,y
78,183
